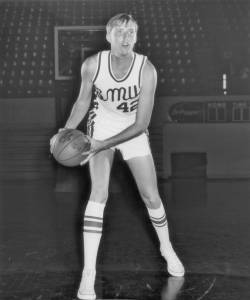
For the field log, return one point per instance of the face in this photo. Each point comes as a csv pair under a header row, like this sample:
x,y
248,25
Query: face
x,y
122,38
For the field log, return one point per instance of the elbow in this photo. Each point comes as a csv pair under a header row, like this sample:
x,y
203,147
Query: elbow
x,y
141,127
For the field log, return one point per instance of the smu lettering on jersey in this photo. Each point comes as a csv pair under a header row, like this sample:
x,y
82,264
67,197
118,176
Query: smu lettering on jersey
x,y
116,98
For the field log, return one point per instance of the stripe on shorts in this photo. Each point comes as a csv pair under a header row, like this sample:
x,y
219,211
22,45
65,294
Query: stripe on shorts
x,y
91,123
90,129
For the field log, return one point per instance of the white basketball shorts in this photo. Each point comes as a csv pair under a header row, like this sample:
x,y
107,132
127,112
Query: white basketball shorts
x,y
105,126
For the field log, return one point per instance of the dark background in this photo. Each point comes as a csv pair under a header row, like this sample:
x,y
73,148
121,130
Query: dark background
x,y
192,43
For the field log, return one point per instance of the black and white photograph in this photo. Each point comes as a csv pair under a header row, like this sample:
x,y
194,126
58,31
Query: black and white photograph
x,y
124,149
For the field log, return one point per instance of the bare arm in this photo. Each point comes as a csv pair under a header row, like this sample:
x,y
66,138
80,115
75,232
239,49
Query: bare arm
x,y
144,111
81,106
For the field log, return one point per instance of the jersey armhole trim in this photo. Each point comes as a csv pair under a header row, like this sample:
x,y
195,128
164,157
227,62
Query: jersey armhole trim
x,y
97,68
141,68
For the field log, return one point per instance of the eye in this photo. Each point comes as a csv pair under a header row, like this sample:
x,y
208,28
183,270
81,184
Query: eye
x,y
119,31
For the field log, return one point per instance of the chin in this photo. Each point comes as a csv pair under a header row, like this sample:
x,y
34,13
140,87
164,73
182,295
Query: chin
x,y
126,51
123,52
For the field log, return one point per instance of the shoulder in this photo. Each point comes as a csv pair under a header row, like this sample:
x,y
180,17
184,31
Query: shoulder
x,y
89,66
149,68
149,71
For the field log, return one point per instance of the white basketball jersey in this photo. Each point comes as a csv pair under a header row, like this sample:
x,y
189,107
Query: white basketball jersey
x,y
115,100
119,96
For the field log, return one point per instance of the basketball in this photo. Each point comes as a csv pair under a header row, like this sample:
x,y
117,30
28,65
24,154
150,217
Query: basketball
x,y
68,147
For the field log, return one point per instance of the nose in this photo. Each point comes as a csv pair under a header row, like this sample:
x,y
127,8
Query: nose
x,y
125,37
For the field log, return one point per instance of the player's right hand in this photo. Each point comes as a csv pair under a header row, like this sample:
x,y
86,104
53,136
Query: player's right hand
x,y
53,140
95,147
88,154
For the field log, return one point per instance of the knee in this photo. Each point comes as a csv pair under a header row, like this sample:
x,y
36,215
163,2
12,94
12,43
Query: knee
x,y
99,194
151,199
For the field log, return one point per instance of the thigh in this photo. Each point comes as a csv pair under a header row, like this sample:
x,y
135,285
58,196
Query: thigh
x,y
136,147
100,168
143,170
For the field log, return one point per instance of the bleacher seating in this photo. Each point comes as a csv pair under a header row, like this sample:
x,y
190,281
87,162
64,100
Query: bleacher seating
x,y
187,40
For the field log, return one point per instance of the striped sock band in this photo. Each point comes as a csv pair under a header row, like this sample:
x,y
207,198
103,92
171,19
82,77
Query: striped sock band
x,y
92,224
159,222
158,216
92,232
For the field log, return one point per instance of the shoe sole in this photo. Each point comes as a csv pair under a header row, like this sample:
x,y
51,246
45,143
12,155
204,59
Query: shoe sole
x,y
176,274
85,297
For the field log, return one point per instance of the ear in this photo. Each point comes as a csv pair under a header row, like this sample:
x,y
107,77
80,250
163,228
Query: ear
x,y
108,37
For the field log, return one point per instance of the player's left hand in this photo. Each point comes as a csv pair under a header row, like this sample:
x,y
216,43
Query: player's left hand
x,y
53,139
96,146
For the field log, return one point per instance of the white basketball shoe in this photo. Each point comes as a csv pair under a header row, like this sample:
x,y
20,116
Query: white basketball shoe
x,y
175,266
86,289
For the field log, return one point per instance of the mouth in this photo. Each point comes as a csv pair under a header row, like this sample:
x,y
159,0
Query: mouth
x,y
125,45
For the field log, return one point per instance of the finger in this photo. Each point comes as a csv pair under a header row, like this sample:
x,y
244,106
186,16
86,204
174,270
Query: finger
x,y
52,140
62,129
86,152
86,159
88,138
52,143
51,149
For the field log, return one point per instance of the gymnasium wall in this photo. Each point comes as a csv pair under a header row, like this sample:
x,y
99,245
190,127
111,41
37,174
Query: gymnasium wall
x,y
190,132
28,111
225,144
26,126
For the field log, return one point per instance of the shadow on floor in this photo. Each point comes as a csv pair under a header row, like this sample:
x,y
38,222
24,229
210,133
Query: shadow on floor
x,y
124,285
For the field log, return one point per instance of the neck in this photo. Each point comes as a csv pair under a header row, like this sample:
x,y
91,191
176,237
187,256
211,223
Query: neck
x,y
121,57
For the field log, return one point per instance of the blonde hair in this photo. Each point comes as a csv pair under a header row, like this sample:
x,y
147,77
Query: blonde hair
x,y
120,19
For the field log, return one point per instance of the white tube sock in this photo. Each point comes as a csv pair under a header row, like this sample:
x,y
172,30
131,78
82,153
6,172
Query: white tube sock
x,y
160,223
92,232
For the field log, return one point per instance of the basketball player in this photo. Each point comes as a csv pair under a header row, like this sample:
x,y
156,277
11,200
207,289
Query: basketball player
x,y
124,85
